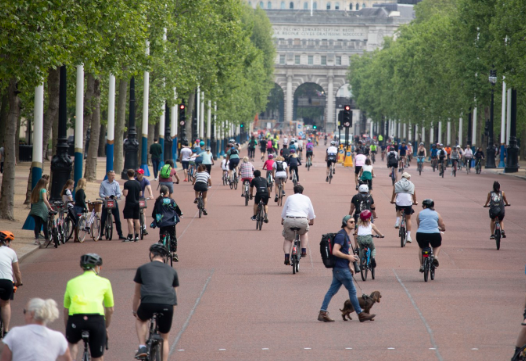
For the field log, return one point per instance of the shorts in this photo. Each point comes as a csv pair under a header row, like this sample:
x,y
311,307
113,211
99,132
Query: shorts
x,y
288,223
330,161
185,164
357,169
263,150
232,164
96,326
6,289
392,165
170,186
496,213
201,187
408,210
280,180
261,197
309,153
131,211
425,239
165,314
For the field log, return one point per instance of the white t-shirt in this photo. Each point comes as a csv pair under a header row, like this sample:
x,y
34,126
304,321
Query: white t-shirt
x,y
7,258
404,199
300,143
360,160
202,177
285,141
281,174
35,342
186,153
298,205
224,164
365,231
332,150
66,198
367,168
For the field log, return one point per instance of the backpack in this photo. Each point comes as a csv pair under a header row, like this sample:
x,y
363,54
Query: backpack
x,y
233,151
364,202
269,144
326,246
166,170
279,167
253,143
310,146
285,152
391,160
495,202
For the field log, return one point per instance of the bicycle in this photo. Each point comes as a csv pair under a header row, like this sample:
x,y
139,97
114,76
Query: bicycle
x,y
393,175
401,231
420,164
58,206
442,168
52,229
373,157
90,225
468,165
225,178
478,166
520,355
154,343
109,204
234,181
331,172
200,203
497,233
280,193
191,173
85,354
65,222
270,180
171,246
454,169
309,162
142,206
401,166
246,193
365,261
427,262
260,215
295,253
294,178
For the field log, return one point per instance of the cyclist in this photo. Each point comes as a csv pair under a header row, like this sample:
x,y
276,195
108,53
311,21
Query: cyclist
x,y
109,188
9,269
330,157
224,166
246,172
434,151
268,165
269,145
292,145
455,157
383,149
262,148
441,155
281,173
404,192
232,156
252,147
468,155
421,155
186,154
208,159
392,162
300,147
496,199
294,162
310,150
325,139
275,145
88,301
367,174
262,193
155,292
373,148
285,141
285,152
448,151
429,223
479,155
359,162
167,173
166,214
145,184
297,213
402,153
362,201
364,235
201,183
409,153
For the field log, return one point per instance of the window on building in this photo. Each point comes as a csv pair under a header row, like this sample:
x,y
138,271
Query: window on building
x,y
363,6
291,5
315,5
269,5
350,6
297,60
283,4
338,60
323,60
261,5
282,59
337,6
329,5
305,6
311,59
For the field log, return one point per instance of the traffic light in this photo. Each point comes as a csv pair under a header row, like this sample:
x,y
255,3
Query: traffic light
x,y
347,116
315,127
242,125
340,120
182,115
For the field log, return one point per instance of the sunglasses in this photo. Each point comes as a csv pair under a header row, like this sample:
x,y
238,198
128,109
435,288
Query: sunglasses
x,y
351,221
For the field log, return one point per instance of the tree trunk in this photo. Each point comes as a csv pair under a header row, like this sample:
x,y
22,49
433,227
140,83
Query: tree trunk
x,y
8,181
102,141
91,162
151,136
17,140
4,109
118,162
53,89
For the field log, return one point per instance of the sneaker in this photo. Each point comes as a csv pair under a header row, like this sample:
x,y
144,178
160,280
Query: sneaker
x,y
155,179
242,195
195,201
136,238
142,352
397,224
435,262
409,240
276,199
128,239
287,262
265,219
145,232
185,180
283,192
503,234
205,212
421,269
373,262
175,257
303,254
122,238
253,218
492,236
327,179
323,316
37,242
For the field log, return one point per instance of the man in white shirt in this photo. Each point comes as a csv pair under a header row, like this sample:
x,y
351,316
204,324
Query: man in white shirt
x,y
285,140
404,191
359,162
8,268
297,213
330,157
186,154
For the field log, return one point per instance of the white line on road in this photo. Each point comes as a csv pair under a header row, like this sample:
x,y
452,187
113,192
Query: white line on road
x,y
187,322
432,338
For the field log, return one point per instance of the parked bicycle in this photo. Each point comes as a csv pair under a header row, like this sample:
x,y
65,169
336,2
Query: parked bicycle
x,y
89,222
497,233
109,204
365,261
143,204
52,229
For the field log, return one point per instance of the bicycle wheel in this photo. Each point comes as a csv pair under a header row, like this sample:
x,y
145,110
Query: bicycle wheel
x,y
372,272
419,168
156,352
293,261
393,178
95,229
401,233
330,175
61,233
68,228
426,269
141,231
246,197
82,228
56,237
231,185
497,238
108,227
200,206
86,356
363,269
454,171
297,265
432,272
235,183
443,170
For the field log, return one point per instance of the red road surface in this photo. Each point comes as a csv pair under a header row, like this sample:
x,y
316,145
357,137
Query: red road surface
x,y
237,301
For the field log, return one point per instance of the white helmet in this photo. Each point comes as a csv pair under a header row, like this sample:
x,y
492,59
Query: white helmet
x,y
364,188
333,142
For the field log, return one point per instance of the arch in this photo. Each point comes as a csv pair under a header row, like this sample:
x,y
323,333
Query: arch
x,y
328,5
291,5
309,103
269,5
282,5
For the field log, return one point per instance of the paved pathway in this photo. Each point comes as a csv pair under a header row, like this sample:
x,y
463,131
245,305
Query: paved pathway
x,y
237,301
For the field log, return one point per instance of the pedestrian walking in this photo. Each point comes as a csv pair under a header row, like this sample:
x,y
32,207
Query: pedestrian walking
x,y
40,209
342,273
80,204
131,211
156,151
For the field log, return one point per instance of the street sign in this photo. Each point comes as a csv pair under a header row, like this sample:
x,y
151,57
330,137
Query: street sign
x,y
300,133
299,125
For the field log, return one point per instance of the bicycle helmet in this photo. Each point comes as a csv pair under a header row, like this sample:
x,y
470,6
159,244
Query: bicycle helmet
x,y
365,215
421,143
6,236
90,260
201,143
364,188
270,156
428,203
158,249
333,142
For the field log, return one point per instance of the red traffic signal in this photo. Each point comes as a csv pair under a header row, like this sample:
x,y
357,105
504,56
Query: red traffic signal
x,y
182,106
347,107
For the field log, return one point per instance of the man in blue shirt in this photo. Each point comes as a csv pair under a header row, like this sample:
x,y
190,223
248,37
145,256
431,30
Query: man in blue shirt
x,y
342,272
110,188
402,153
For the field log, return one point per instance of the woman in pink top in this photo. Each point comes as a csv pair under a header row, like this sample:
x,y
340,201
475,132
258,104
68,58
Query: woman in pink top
x,y
269,164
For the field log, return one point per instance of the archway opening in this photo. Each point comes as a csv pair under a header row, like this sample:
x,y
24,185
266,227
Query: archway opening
x,y
309,105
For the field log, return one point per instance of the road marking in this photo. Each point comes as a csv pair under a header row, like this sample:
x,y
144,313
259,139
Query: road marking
x,y
429,331
307,348
474,349
348,348
390,348
222,349
265,349
181,349
187,322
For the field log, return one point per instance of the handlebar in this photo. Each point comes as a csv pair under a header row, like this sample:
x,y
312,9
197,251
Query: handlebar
x,y
506,205
377,236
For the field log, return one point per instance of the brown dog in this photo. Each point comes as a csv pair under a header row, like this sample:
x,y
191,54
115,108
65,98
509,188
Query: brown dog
x,y
366,303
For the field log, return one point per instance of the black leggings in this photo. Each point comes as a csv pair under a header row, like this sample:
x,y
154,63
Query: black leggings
x,y
39,222
294,168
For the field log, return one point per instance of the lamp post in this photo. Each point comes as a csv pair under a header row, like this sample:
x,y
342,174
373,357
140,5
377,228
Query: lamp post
x,y
131,145
490,150
512,161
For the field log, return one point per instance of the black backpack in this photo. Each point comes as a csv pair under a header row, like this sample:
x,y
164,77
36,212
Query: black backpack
x,y
326,246
285,152
233,151
279,167
364,202
391,159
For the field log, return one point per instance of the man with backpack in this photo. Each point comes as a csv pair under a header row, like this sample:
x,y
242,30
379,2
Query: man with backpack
x,y
362,201
232,157
342,271
392,161
252,148
166,176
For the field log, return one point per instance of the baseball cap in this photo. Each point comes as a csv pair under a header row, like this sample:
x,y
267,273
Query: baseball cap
x,y
140,171
406,175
